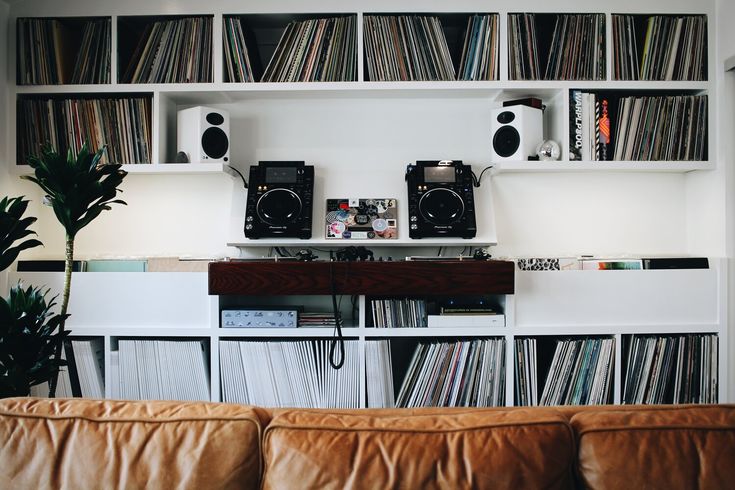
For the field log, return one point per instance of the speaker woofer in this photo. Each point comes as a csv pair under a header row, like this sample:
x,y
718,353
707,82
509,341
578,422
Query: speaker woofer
x,y
279,207
506,141
215,142
441,206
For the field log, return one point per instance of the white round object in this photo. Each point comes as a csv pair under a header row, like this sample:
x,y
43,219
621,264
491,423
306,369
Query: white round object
x,y
548,150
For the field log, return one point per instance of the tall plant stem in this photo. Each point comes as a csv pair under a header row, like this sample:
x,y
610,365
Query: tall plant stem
x,y
68,263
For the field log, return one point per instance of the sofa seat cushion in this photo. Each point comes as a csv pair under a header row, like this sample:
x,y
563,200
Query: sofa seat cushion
x,y
111,444
461,448
664,447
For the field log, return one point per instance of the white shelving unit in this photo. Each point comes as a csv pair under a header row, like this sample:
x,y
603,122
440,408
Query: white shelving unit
x,y
545,303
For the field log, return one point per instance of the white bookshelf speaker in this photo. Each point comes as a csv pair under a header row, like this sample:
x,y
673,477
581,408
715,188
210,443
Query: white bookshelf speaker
x,y
203,134
516,132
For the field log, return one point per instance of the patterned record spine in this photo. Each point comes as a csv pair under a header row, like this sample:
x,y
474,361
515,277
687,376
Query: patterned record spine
x,y
597,128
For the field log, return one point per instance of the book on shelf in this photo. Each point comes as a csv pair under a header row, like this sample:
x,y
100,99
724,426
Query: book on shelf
x,y
671,369
316,50
172,51
576,49
462,373
121,125
581,372
289,374
548,263
160,370
674,47
48,54
675,263
48,266
611,264
116,265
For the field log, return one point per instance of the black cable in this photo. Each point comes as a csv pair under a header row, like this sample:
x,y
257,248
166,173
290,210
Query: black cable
x,y
476,180
244,183
355,307
338,340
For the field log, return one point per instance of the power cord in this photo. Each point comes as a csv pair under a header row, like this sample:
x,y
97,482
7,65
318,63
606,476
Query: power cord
x,y
338,341
244,182
476,180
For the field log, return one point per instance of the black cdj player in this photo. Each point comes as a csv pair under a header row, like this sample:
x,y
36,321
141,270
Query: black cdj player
x,y
280,199
440,199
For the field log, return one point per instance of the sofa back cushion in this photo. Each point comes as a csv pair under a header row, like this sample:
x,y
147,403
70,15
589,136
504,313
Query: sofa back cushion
x,y
662,447
472,448
111,444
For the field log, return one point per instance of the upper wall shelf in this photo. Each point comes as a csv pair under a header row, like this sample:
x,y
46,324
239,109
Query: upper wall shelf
x,y
617,166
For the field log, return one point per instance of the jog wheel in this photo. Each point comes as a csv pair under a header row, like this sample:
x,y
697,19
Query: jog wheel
x,y
441,206
279,207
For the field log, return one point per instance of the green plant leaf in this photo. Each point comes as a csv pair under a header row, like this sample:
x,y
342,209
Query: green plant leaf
x,y
79,188
14,229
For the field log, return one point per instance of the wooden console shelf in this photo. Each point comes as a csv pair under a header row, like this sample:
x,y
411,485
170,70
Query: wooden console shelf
x,y
404,278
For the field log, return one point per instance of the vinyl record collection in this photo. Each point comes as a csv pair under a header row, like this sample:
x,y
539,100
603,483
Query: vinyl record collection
x,y
316,50
317,319
671,369
93,59
398,313
46,53
289,374
526,378
576,50
648,128
83,375
523,62
674,48
123,125
379,374
160,370
406,47
580,374
241,57
172,51
462,373
480,51
661,128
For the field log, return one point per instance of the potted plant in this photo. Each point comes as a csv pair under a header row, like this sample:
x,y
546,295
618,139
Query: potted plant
x,y
29,332
78,188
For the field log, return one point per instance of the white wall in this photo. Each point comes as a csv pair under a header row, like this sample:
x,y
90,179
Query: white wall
x,y
726,147
536,214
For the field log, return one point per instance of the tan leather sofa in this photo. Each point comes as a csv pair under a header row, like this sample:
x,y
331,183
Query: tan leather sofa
x,y
112,444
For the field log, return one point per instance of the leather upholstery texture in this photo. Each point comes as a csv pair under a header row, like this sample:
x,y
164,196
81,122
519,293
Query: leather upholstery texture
x,y
477,448
676,447
80,444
